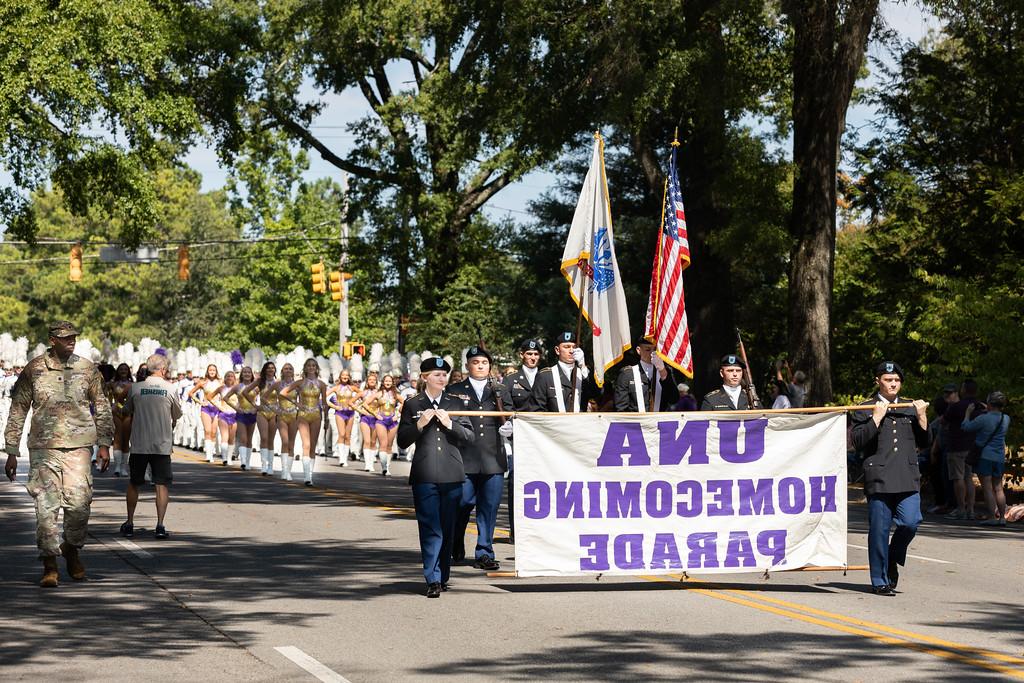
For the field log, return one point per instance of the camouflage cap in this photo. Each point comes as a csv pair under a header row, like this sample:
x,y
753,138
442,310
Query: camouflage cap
x,y
63,328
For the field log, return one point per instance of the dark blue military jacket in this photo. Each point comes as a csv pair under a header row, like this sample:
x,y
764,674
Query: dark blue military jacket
x,y
719,400
545,387
486,455
519,387
438,459
890,449
625,391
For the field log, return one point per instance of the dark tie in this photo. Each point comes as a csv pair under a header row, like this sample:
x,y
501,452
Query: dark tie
x,y
434,403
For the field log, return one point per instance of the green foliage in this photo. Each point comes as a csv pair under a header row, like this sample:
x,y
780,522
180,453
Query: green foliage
x,y
934,277
90,102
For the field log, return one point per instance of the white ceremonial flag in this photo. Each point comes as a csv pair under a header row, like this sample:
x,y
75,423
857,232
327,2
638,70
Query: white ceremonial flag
x,y
589,264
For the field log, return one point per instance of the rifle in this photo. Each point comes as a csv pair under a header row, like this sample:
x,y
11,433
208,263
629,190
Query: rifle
x,y
748,379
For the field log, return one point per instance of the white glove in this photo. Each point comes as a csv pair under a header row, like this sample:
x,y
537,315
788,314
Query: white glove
x,y
584,372
577,356
657,362
506,429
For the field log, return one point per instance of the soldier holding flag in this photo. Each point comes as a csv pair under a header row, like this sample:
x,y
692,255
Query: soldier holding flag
x,y
646,386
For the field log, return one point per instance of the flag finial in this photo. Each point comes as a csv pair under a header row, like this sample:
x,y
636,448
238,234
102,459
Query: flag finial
x,y
597,135
675,138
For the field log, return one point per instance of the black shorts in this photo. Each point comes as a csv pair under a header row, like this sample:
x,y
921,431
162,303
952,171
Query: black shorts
x,y
161,464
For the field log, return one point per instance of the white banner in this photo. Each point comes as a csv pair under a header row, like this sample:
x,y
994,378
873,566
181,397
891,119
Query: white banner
x,y
616,493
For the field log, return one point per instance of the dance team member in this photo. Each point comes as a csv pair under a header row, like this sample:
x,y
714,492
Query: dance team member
x,y
245,414
387,405
266,417
226,401
368,420
287,425
207,388
311,414
118,391
340,399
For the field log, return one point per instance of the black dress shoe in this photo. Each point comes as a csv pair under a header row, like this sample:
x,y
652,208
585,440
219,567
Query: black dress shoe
x,y
458,551
883,590
488,563
444,586
894,574
434,590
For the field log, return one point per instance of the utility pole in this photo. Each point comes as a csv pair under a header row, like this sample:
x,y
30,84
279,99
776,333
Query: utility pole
x,y
343,330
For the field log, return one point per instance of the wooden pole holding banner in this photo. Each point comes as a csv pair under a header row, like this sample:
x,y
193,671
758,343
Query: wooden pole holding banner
x,y
849,568
768,411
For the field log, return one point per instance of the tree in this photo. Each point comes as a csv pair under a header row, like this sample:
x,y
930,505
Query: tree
x,y
934,275
124,302
465,99
90,102
699,68
829,41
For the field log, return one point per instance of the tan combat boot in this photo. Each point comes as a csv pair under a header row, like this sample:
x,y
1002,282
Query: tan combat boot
x,y
75,566
49,579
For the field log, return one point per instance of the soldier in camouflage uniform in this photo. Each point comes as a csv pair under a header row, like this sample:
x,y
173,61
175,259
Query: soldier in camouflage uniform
x,y
69,415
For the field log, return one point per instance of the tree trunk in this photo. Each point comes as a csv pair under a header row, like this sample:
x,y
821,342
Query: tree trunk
x,y
827,53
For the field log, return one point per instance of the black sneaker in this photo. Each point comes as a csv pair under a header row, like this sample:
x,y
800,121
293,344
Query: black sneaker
x,y
128,530
161,532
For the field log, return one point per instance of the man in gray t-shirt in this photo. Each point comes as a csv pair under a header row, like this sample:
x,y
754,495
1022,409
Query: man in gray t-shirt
x,y
154,407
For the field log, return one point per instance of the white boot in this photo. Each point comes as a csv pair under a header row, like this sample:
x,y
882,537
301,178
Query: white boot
x,y
126,471
225,454
209,448
286,466
385,461
342,455
266,461
118,456
307,469
368,457
243,456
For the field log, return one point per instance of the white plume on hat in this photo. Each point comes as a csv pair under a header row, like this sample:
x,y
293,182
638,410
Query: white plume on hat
x,y
355,367
336,366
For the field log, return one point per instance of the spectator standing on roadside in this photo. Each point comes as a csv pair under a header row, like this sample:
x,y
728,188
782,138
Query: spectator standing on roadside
x,y
155,407
989,432
958,444
686,402
796,383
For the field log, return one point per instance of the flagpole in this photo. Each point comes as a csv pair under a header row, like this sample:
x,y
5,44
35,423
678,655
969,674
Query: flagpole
x,y
583,276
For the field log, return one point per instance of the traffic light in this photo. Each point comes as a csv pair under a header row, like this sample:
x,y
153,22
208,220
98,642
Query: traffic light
x,y
75,271
183,262
337,288
351,348
319,287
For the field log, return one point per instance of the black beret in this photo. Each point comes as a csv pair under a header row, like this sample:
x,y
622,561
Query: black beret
x,y
475,351
435,363
566,337
889,367
530,345
733,359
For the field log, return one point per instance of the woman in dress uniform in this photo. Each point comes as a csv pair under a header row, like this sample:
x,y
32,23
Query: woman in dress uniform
x,y
436,474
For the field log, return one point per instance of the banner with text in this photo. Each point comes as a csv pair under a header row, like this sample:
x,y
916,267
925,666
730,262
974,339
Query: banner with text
x,y
618,493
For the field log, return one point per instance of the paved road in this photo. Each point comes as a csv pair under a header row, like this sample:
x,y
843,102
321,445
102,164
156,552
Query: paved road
x,y
262,578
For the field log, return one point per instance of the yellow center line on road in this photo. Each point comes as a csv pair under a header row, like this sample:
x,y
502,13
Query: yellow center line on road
x,y
959,652
366,501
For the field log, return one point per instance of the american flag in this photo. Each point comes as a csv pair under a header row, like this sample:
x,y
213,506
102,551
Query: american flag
x,y
666,325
